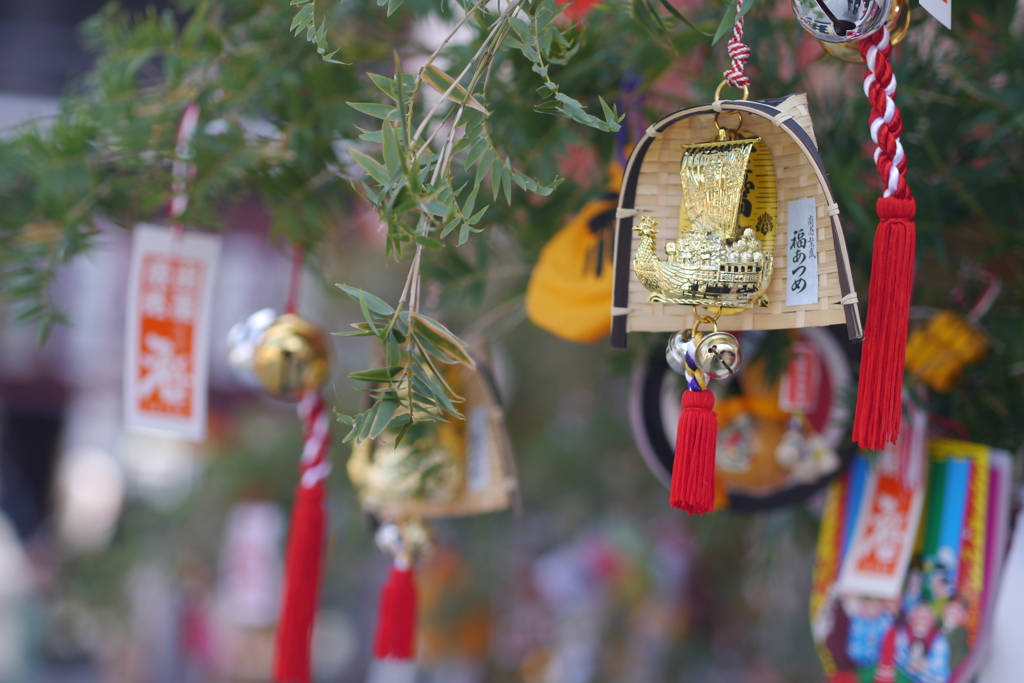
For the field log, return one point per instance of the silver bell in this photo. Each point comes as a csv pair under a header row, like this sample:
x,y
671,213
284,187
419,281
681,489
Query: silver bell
x,y
841,21
675,352
718,354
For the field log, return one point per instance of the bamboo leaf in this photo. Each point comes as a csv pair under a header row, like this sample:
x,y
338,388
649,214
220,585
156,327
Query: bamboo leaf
x,y
386,85
428,242
728,19
385,374
441,82
367,422
386,409
443,338
377,111
678,15
476,151
393,160
371,166
376,304
303,18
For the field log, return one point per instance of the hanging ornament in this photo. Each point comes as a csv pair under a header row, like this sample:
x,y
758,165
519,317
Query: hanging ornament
x,y
877,419
171,282
394,642
898,24
442,469
759,171
839,21
291,358
288,356
897,599
778,441
243,340
570,287
938,351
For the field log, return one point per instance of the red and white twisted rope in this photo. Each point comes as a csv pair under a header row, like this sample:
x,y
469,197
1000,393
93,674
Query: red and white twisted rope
x,y
182,170
314,465
739,52
886,122
879,396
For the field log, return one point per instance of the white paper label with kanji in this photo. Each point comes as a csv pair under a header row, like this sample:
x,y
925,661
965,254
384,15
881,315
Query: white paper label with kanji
x,y
802,254
170,290
941,10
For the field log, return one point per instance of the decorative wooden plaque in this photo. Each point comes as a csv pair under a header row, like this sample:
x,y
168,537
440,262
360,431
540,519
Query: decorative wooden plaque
x,y
651,187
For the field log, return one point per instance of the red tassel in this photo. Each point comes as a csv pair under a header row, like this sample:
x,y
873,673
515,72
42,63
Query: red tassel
x,y
879,397
302,583
693,473
396,620
304,556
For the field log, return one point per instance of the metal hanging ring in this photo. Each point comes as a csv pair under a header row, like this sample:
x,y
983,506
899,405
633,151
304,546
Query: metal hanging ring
x,y
697,336
731,130
708,319
718,91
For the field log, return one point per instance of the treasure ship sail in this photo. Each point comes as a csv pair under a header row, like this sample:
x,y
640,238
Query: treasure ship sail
x,y
718,259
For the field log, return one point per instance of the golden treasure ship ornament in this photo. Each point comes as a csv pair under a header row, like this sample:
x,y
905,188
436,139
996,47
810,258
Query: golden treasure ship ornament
x,y
722,256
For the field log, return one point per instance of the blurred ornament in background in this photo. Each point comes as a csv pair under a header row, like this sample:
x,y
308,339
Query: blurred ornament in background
x,y
938,352
243,340
445,469
898,24
291,358
570,288
840,21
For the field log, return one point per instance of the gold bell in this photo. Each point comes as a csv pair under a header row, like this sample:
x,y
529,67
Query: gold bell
x,y
291,358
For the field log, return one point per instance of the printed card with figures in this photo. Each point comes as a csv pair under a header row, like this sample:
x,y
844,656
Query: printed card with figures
x,y
170,291
883,539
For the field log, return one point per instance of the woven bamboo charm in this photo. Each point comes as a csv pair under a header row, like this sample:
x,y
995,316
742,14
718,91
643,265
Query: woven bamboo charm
x,y
653,194
759,245
461,467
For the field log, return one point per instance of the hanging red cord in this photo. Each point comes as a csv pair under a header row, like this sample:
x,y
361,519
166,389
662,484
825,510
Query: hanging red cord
x,y
739,52
295,279
182,170
879,402
304,555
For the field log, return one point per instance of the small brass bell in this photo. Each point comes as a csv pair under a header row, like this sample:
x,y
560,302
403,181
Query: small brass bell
x,y
291,358
718,354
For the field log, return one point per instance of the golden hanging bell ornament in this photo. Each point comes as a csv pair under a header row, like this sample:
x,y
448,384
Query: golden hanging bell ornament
x,y
291,358
938,352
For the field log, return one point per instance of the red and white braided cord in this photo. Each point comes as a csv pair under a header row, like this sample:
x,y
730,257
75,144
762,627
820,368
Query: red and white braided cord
x,y
738,52
886,122
314,465
182,170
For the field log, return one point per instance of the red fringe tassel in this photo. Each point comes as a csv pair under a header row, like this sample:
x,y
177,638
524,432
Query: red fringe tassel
x,y
693,473
396,619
